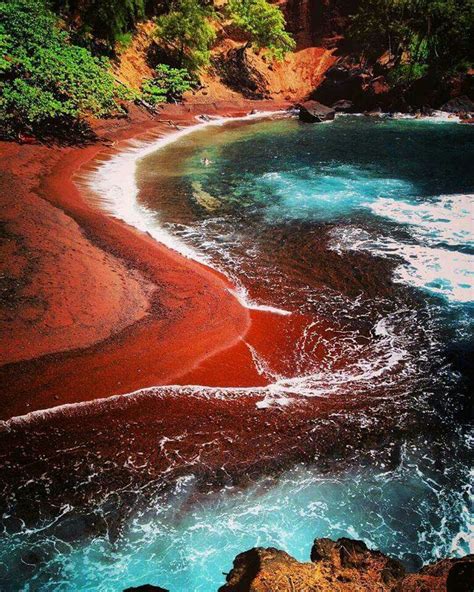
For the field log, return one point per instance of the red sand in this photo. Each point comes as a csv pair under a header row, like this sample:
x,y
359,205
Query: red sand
x,y
93,308
176,323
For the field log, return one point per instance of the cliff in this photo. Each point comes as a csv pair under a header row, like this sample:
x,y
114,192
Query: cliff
x,y
238,71
343,566
328,65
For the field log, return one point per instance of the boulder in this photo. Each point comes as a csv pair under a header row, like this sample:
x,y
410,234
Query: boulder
x,y
461,104
343,106
314,112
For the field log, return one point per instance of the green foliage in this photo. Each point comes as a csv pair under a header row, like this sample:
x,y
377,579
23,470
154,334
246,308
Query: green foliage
x,y
123,41
264,22
169,84
187,33
424,36
108,20
42,75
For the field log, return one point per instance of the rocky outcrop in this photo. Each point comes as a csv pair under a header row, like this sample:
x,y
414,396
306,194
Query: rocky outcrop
x,y
146,588
344,565
368,87
239,74
365,86
459,105
314,112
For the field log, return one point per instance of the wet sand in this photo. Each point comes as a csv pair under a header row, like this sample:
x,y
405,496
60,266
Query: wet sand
x,y
91,307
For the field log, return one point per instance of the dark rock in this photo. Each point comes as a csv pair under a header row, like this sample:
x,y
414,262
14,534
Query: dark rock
x,y
344,106
352,553
146,588
447,575
314,112
342,82
461,576
322,550
459,105
249,564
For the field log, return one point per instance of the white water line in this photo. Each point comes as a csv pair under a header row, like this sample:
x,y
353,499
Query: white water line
x,y
114,182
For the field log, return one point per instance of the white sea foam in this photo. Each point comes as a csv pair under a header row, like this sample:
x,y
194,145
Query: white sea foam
x,y
440,271
242,296
382,361
114,182
435,117
448,219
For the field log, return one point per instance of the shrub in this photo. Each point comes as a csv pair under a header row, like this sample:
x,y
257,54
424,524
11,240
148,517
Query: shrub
x,y
43,76
169,84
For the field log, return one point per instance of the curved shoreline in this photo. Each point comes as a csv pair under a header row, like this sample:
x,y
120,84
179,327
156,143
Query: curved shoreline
x,y
191,313
112,186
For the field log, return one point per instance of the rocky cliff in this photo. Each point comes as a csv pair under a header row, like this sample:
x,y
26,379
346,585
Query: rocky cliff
x,y
343,566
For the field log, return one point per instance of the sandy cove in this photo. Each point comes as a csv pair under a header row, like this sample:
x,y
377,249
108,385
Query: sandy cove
x,y
91,307
168,320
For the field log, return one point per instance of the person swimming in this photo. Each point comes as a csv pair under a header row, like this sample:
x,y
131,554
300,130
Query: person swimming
x,y
205,161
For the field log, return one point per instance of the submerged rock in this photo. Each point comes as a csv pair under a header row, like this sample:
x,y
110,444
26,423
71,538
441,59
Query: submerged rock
x,y
344,565
314,112
146,588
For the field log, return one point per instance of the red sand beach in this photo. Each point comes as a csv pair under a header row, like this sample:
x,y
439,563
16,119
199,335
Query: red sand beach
x,y
94,308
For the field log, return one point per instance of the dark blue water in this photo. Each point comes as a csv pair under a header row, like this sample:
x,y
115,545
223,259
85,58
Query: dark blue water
x,y
364,227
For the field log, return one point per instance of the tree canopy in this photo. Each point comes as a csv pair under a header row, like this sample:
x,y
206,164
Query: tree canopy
x,y
264,22
187,32
103,20
423,36
43,76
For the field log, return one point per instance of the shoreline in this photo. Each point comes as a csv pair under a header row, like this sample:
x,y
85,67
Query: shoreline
x,y
146,441
112,187
190,313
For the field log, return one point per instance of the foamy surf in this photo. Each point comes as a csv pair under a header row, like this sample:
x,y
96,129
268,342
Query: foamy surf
x,y
448,219
440,271
114,182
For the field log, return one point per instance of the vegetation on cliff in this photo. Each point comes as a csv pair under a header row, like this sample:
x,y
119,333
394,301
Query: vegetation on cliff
x,y
44,78
55,68
56,55
421,37
169,84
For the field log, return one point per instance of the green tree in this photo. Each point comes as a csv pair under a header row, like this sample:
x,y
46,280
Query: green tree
x,y
168,84
107,20
265,24
43,77
187,33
